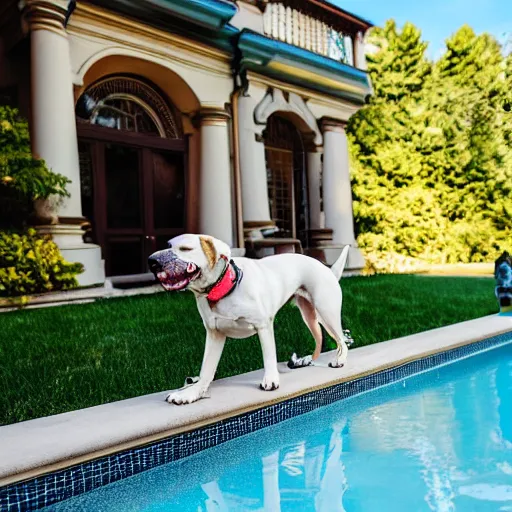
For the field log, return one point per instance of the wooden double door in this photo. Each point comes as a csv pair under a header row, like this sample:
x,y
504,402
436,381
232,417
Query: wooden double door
x,y
133,193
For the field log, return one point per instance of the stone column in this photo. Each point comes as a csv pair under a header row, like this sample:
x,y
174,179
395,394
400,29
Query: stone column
x,y
337,190
53,130
215,201
359,51
256,210
314,177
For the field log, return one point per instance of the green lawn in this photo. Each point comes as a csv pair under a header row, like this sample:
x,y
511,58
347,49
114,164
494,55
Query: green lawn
x,y
58,359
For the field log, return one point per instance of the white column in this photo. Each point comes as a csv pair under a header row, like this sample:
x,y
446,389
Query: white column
x,y
359,51
314,175
53,129
53,107
337,190
215,202
252,166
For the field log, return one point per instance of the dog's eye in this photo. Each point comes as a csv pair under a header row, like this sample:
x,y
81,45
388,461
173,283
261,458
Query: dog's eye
x,y
185,249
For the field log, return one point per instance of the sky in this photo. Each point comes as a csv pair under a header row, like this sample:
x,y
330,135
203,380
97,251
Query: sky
x,y
437,19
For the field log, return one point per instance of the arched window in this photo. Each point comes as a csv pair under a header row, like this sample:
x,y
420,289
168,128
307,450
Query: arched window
x,y
286,180
129,104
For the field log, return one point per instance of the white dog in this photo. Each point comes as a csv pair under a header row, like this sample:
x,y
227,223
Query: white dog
x,y
240,297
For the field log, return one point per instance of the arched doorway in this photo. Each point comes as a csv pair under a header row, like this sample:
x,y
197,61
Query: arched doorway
x,y
132,170
286,178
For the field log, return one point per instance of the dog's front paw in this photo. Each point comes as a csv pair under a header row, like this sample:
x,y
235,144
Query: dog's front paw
x,y
186,396
270,382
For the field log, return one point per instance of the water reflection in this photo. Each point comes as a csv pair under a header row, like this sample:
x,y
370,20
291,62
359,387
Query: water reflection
x,y
438,442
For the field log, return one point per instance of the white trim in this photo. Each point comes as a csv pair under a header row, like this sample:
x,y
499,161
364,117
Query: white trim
x,y
274,101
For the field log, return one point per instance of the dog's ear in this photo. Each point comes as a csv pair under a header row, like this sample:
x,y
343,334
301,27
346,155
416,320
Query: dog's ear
x,y
209,250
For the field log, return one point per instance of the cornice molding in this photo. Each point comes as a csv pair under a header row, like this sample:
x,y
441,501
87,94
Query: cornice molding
x,y
126,37
209,14
302,67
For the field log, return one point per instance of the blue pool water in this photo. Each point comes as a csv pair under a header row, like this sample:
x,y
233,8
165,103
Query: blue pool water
x,y
438,441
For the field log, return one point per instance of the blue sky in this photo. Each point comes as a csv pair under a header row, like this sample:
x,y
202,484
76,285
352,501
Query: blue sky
x,y
437,19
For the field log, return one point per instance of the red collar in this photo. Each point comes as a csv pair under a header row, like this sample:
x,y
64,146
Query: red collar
x,y
228,281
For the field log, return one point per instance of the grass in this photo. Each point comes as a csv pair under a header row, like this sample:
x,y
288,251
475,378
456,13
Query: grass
x,y
59,359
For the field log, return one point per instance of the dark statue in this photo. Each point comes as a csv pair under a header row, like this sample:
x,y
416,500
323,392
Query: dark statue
x,y
503,276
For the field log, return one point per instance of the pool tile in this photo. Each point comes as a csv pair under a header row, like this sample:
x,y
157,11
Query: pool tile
x,y
49,489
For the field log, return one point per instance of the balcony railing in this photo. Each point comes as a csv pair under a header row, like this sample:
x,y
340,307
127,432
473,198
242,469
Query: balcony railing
x,y
292,26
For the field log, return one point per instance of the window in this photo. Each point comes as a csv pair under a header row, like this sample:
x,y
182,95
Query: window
x,y
129,104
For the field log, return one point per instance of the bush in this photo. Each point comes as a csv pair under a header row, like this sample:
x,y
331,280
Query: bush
x,y
391,263
32,263
23,178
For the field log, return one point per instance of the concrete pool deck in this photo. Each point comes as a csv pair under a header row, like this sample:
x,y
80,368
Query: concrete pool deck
x,y
43,445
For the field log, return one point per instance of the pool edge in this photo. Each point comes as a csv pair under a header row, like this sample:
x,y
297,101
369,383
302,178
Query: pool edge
x,y
493,329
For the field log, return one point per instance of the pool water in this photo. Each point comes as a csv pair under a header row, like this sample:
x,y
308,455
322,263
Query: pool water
x,y
441,441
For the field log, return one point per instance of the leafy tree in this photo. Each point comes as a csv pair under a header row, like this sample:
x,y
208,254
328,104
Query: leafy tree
x,y
473,67
400,61
431,153
394,208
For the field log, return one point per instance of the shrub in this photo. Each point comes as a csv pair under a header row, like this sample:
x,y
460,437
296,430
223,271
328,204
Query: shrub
x,y
23,178
32,263
391,263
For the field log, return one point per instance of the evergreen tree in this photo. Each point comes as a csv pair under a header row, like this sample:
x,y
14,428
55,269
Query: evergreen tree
x,y
432,151
392,210
473,67
400,62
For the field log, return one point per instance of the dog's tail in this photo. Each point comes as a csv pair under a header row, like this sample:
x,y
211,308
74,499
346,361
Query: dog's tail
x,y
339,265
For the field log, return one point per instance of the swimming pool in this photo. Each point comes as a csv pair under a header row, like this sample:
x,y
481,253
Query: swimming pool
x,y
439,440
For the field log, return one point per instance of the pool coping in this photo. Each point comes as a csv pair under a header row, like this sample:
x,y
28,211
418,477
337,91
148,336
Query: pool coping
x,y
45,445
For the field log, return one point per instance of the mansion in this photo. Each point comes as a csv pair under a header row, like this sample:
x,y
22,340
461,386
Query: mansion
x,y
210,116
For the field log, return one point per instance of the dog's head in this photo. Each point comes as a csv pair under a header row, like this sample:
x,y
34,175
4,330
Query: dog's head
x,y
192,262
503,270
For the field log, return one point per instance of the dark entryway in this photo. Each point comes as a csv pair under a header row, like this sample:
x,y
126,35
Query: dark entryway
x,y
286,178
132,173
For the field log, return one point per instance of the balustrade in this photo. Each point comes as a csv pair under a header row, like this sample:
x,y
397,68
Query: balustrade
x,y
292,26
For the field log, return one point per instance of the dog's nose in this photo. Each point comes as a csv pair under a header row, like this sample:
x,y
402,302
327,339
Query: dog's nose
x,y
154,265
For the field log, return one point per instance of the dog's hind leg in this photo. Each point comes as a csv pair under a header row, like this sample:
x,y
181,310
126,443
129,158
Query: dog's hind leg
x,y
336,332
308,312
329,316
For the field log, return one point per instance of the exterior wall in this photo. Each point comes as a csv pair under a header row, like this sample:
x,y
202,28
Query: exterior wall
x,y
307,110
198,80
95,34
248,16
193,77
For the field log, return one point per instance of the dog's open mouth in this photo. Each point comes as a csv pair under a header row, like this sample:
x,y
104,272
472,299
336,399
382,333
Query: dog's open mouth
x,y
175,282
